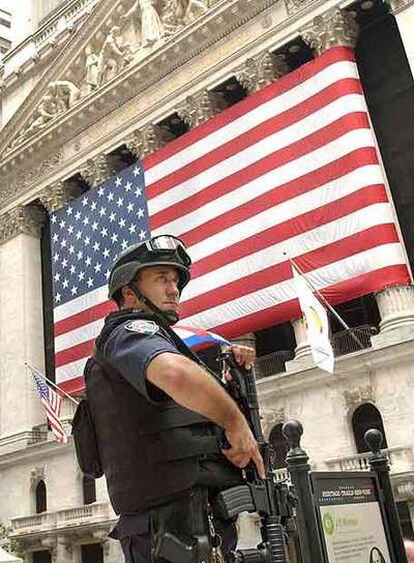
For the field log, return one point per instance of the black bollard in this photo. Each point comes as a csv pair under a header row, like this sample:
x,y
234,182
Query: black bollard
x,y
378,462
297,462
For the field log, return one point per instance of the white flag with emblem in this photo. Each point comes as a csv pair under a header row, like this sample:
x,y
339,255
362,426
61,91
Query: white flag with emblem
x,y
317,325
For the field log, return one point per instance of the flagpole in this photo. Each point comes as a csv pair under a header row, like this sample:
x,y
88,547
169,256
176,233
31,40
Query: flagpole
x,y
51,383
326,303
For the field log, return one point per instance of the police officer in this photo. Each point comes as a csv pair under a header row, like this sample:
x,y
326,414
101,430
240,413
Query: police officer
x,y
157,413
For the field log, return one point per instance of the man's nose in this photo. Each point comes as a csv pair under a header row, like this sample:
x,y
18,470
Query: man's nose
x,y
172,288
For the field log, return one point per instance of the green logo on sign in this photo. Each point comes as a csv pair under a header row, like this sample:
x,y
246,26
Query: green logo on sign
x,y
328,524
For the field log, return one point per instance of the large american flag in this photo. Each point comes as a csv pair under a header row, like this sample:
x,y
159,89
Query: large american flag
x,y
52,403
289,172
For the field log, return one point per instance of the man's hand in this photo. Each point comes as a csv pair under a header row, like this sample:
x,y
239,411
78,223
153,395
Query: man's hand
x,y
244,355
243,448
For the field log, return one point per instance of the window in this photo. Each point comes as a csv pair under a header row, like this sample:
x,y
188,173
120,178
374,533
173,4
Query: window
x,y
174,125
92,553
231,91
42,557
40,497
280,446
365,417
89,490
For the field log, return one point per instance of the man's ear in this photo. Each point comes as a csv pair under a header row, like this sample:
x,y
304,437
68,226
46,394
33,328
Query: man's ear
x,y
127,293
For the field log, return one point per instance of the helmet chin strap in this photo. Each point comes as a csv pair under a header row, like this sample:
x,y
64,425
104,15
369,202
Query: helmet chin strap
x,y
169,318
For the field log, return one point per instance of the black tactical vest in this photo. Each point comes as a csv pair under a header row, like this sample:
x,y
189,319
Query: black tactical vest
x,y
149,451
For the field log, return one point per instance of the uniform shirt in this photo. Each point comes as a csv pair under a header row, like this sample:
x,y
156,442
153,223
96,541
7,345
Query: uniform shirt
x,y
131,347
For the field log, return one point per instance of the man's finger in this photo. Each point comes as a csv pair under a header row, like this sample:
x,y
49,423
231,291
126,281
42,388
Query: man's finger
x,y
258,461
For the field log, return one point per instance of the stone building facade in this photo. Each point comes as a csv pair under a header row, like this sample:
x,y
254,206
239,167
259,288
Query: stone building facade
x,y
92,88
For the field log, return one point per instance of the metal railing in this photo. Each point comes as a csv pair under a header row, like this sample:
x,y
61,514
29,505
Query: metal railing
x,y
344,343
273,363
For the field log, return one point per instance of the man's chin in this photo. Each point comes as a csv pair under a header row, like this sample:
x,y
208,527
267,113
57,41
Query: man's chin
x,y
171,315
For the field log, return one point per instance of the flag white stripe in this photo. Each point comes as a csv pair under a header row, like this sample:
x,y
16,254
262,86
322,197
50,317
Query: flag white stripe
x,y
276,106
252,154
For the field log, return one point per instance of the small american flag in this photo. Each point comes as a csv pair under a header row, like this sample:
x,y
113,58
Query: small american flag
x,y
52,403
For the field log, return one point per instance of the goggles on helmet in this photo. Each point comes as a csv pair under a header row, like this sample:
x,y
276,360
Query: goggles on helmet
x,y
168,244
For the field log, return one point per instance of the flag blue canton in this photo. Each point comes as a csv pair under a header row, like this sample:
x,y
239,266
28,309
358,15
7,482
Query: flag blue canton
x,y
42,388
89,233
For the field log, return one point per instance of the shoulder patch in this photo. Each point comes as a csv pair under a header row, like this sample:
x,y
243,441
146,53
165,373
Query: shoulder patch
x,y
142,327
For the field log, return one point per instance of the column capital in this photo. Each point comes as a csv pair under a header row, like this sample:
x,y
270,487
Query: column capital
x,y
396,308
259,71
96,170
337,28
200,107
21,220
147,140
56,195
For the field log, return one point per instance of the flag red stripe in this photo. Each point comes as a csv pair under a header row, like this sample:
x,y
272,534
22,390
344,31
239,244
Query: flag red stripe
x,y
85,317
283,231
73,385
371,238
277,88
255,134
341,292
82,350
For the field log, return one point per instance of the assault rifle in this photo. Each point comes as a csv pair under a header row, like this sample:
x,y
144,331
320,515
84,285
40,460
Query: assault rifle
x,y
272,500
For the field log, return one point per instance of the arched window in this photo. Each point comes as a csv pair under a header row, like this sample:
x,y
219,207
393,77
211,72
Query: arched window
x,y
89,490
280,446
40,497
365,417
92,553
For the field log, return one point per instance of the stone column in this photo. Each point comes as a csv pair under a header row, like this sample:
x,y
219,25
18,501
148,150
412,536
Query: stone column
x,y
261,70
21,320
200,107
303,355
96,171
403,11
396,307
333,29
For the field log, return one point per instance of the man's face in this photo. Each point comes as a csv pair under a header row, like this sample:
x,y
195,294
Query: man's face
x,y
160,285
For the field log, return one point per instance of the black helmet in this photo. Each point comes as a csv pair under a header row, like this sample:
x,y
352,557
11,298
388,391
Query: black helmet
x,y
163,250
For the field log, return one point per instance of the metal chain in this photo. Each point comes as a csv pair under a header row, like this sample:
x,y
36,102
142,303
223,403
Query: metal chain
x,y
216,553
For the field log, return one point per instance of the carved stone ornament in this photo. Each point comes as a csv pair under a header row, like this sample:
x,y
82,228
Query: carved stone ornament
x,y
36,475
337,28
95,171
21,220
355,397
200,107
129,36
261,71
293,6
60,96
57,195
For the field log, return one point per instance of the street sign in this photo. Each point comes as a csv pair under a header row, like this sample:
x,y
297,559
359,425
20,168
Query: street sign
x,y
350,517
